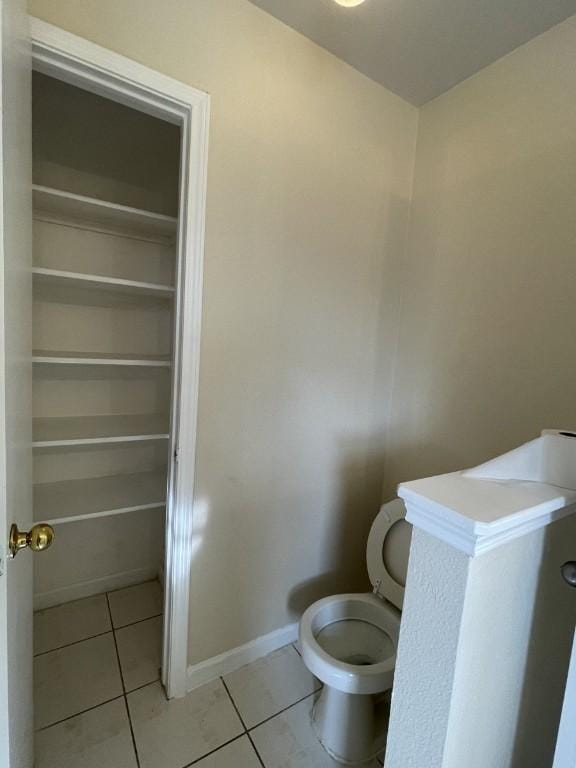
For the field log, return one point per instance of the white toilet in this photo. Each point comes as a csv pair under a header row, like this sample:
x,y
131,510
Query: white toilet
x,y
349,642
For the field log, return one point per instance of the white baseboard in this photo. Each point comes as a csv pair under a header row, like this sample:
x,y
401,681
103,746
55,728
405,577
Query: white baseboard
x,y
95,587
208,670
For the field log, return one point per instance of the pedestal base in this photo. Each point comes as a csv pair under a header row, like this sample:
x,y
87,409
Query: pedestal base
x,y
352,728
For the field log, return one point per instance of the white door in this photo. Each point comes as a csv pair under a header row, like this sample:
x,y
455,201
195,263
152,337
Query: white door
x,y
16,725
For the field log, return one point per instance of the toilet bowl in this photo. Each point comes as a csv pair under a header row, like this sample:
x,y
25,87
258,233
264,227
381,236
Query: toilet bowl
x,y
349,643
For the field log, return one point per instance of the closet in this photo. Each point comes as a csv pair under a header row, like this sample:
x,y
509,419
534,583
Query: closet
x,y
105,206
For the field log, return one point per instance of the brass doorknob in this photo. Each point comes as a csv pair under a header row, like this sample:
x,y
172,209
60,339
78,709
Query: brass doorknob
x,y
38,538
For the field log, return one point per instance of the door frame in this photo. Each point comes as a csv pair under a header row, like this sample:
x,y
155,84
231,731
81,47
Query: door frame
x,y
79,62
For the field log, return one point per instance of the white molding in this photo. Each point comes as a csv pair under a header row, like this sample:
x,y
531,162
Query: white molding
x,y
469,536
181,507
217,666
93,587
80,62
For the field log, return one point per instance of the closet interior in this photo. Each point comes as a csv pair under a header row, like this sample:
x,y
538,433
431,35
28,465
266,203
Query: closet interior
x,y
105,207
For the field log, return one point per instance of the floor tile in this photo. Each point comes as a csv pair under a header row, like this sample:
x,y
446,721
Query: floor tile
x,y
289,741
75,678
68,623
267,686
140,651
239,754
135,603
100,737
173,733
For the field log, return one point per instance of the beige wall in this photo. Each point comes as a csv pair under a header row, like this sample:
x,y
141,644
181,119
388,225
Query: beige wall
x,y
310,173
486,346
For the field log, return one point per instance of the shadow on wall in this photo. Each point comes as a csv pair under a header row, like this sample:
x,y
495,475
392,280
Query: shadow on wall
x,y
552,630
346,527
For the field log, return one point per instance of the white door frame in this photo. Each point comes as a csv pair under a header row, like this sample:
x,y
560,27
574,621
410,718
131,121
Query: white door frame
x,y
82,63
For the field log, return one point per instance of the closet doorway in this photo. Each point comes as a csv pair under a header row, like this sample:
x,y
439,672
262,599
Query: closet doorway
x,y
119,173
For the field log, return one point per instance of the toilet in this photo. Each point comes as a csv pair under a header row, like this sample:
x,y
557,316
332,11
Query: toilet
x,y
349,643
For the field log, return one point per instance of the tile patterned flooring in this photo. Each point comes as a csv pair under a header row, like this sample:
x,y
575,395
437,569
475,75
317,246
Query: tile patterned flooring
x,y
99,701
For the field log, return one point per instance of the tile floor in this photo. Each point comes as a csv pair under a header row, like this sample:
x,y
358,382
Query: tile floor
x,y
99,701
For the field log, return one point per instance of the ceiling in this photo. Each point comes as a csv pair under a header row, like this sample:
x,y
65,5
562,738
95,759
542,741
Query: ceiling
x,y
420,48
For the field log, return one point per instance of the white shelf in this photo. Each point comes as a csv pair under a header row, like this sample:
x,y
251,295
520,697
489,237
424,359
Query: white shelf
x,y
99,358
71,431
62,278
78,210
72,500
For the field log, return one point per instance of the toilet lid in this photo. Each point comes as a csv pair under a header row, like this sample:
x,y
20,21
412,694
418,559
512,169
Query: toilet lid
x,y
378,566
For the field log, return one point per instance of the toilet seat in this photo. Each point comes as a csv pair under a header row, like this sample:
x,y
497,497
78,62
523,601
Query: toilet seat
x,y
384,584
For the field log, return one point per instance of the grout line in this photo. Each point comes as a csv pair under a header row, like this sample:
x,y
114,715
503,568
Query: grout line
x,y
74,642
234,705
117,654
255,750
296,649
145,685
267,720
123,687
253,727
98,634
131,586
242,721
132,731
138,621
82,712
212,751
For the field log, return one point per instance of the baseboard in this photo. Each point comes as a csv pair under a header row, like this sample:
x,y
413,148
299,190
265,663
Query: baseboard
x,y
96,586
208,670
